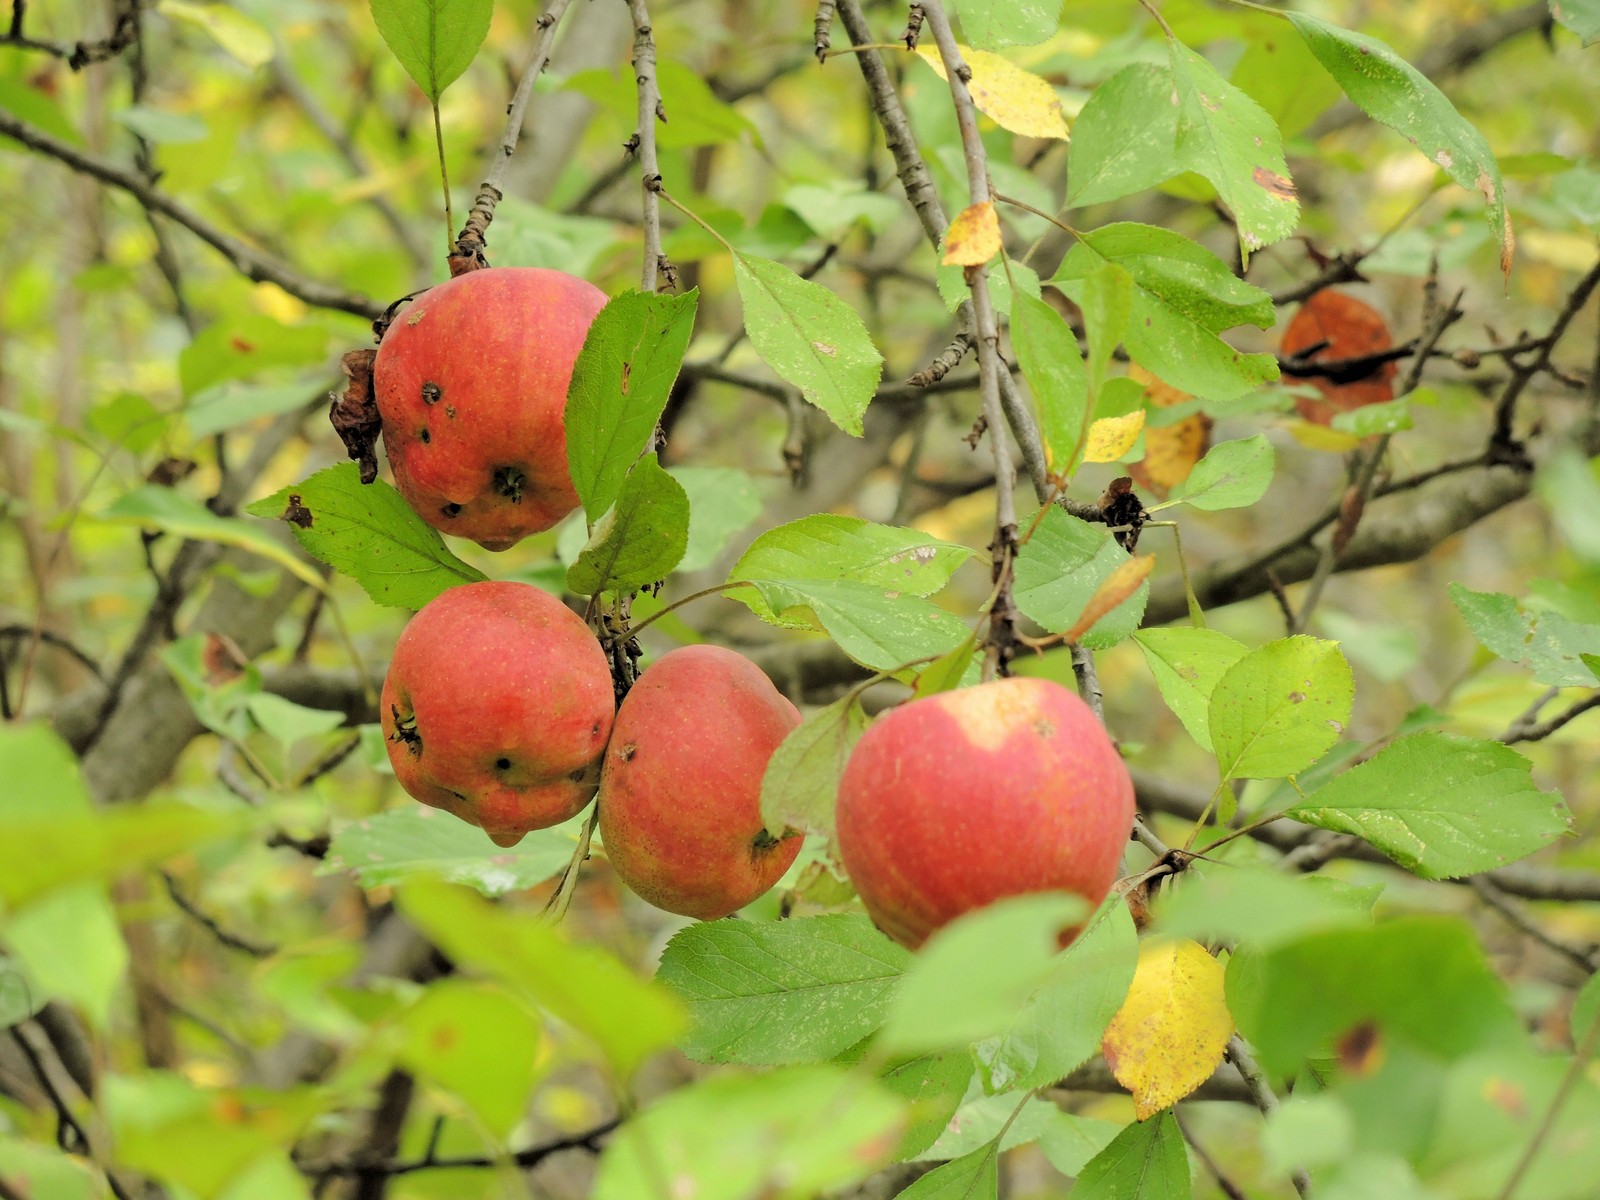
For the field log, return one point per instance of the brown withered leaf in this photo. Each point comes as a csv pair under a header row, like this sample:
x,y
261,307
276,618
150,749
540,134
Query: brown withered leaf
x,y
355,414
1170,451
1333,327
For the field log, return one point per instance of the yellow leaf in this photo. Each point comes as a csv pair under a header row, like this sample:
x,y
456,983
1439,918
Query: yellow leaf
x,y
1014,99
239,35
1113,590
1170,451
1171,1031
1320,437
1112,437
974,236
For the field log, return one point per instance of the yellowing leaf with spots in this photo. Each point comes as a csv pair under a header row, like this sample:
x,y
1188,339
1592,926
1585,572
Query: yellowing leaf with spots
x,y
1170,451
1014,99
974,236
1113,590
1112,437
1171,1031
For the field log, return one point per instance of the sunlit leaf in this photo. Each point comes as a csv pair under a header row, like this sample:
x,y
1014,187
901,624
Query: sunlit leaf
x,y
1012,98
973,237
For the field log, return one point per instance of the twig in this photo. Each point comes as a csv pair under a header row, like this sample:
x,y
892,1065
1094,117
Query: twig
x,y
1266,1099
1576,1070
70,1133
77,55
470,243
1522,375
650,111
1088,681
1232,1189
1523,730
556,909
232,941
588,1140
253,264
1587,957
820,40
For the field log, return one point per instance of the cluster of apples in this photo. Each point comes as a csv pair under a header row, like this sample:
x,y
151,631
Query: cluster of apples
x,y
499,705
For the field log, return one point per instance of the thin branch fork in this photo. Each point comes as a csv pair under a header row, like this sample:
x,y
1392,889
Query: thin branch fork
x,y
77,55
474,233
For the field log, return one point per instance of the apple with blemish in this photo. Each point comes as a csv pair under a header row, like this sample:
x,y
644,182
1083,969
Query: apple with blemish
x,y
680,793
471,383
497,707
963,798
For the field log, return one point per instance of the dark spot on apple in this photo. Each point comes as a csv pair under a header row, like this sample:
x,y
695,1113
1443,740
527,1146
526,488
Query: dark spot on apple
x,y
426,437
508,482
1045,728
581,775
627,752
451,510
595,730
502,764
431,393
450,411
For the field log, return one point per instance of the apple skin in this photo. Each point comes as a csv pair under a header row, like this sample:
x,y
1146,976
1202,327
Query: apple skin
x,y
964,798
680,792
471,383
497,707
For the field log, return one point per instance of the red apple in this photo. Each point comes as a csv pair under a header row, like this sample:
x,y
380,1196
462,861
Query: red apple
x,y
471,383
967,797
680,793
497,707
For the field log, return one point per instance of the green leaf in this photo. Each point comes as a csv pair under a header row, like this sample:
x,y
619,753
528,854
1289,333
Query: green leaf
x,y
1146,1161
801,990
973,1176
70,947
1390,90
1122,140
1568,486
1225,136
831,208
1060,1023
49,1172
1441,805
696,116
801,784
1372,420
1047,351
1183,298
620,384
1004,280
435,40
152,507
1186,664
786,1134
1547,643
224,405
1106,297
722,501
1060,567
810,337
41,773
1422,979
1276,710
38,110
1231,475
287,722
370,533
995,24
477,1041
880,629
627,1018
640,538
979,1118
162,128
246,346
1281,74
973,975
1580,16
829,547
243,38
1259,907
934,1085
19,999
417,840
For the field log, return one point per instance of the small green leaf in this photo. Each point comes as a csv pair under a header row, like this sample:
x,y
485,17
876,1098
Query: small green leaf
x,y
369,532
801,783
640,539
1231,475
722,501
1260,907
995,24
1106,296
1047,351
974,974
70,947
1390,90
477,1041
1371,420
793,1132
19,999
1059,569
880,629
246,346
774,992
1122,140
1146,1161
1186,664
934,1085
48,1171
973,1176
1183,298
1060,1023
171,511
287,722
620,384
1441,805
1277,709
810,337
224,405
829,547
1225,136
162,128
1547,643
417,840
435,40
1580,16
